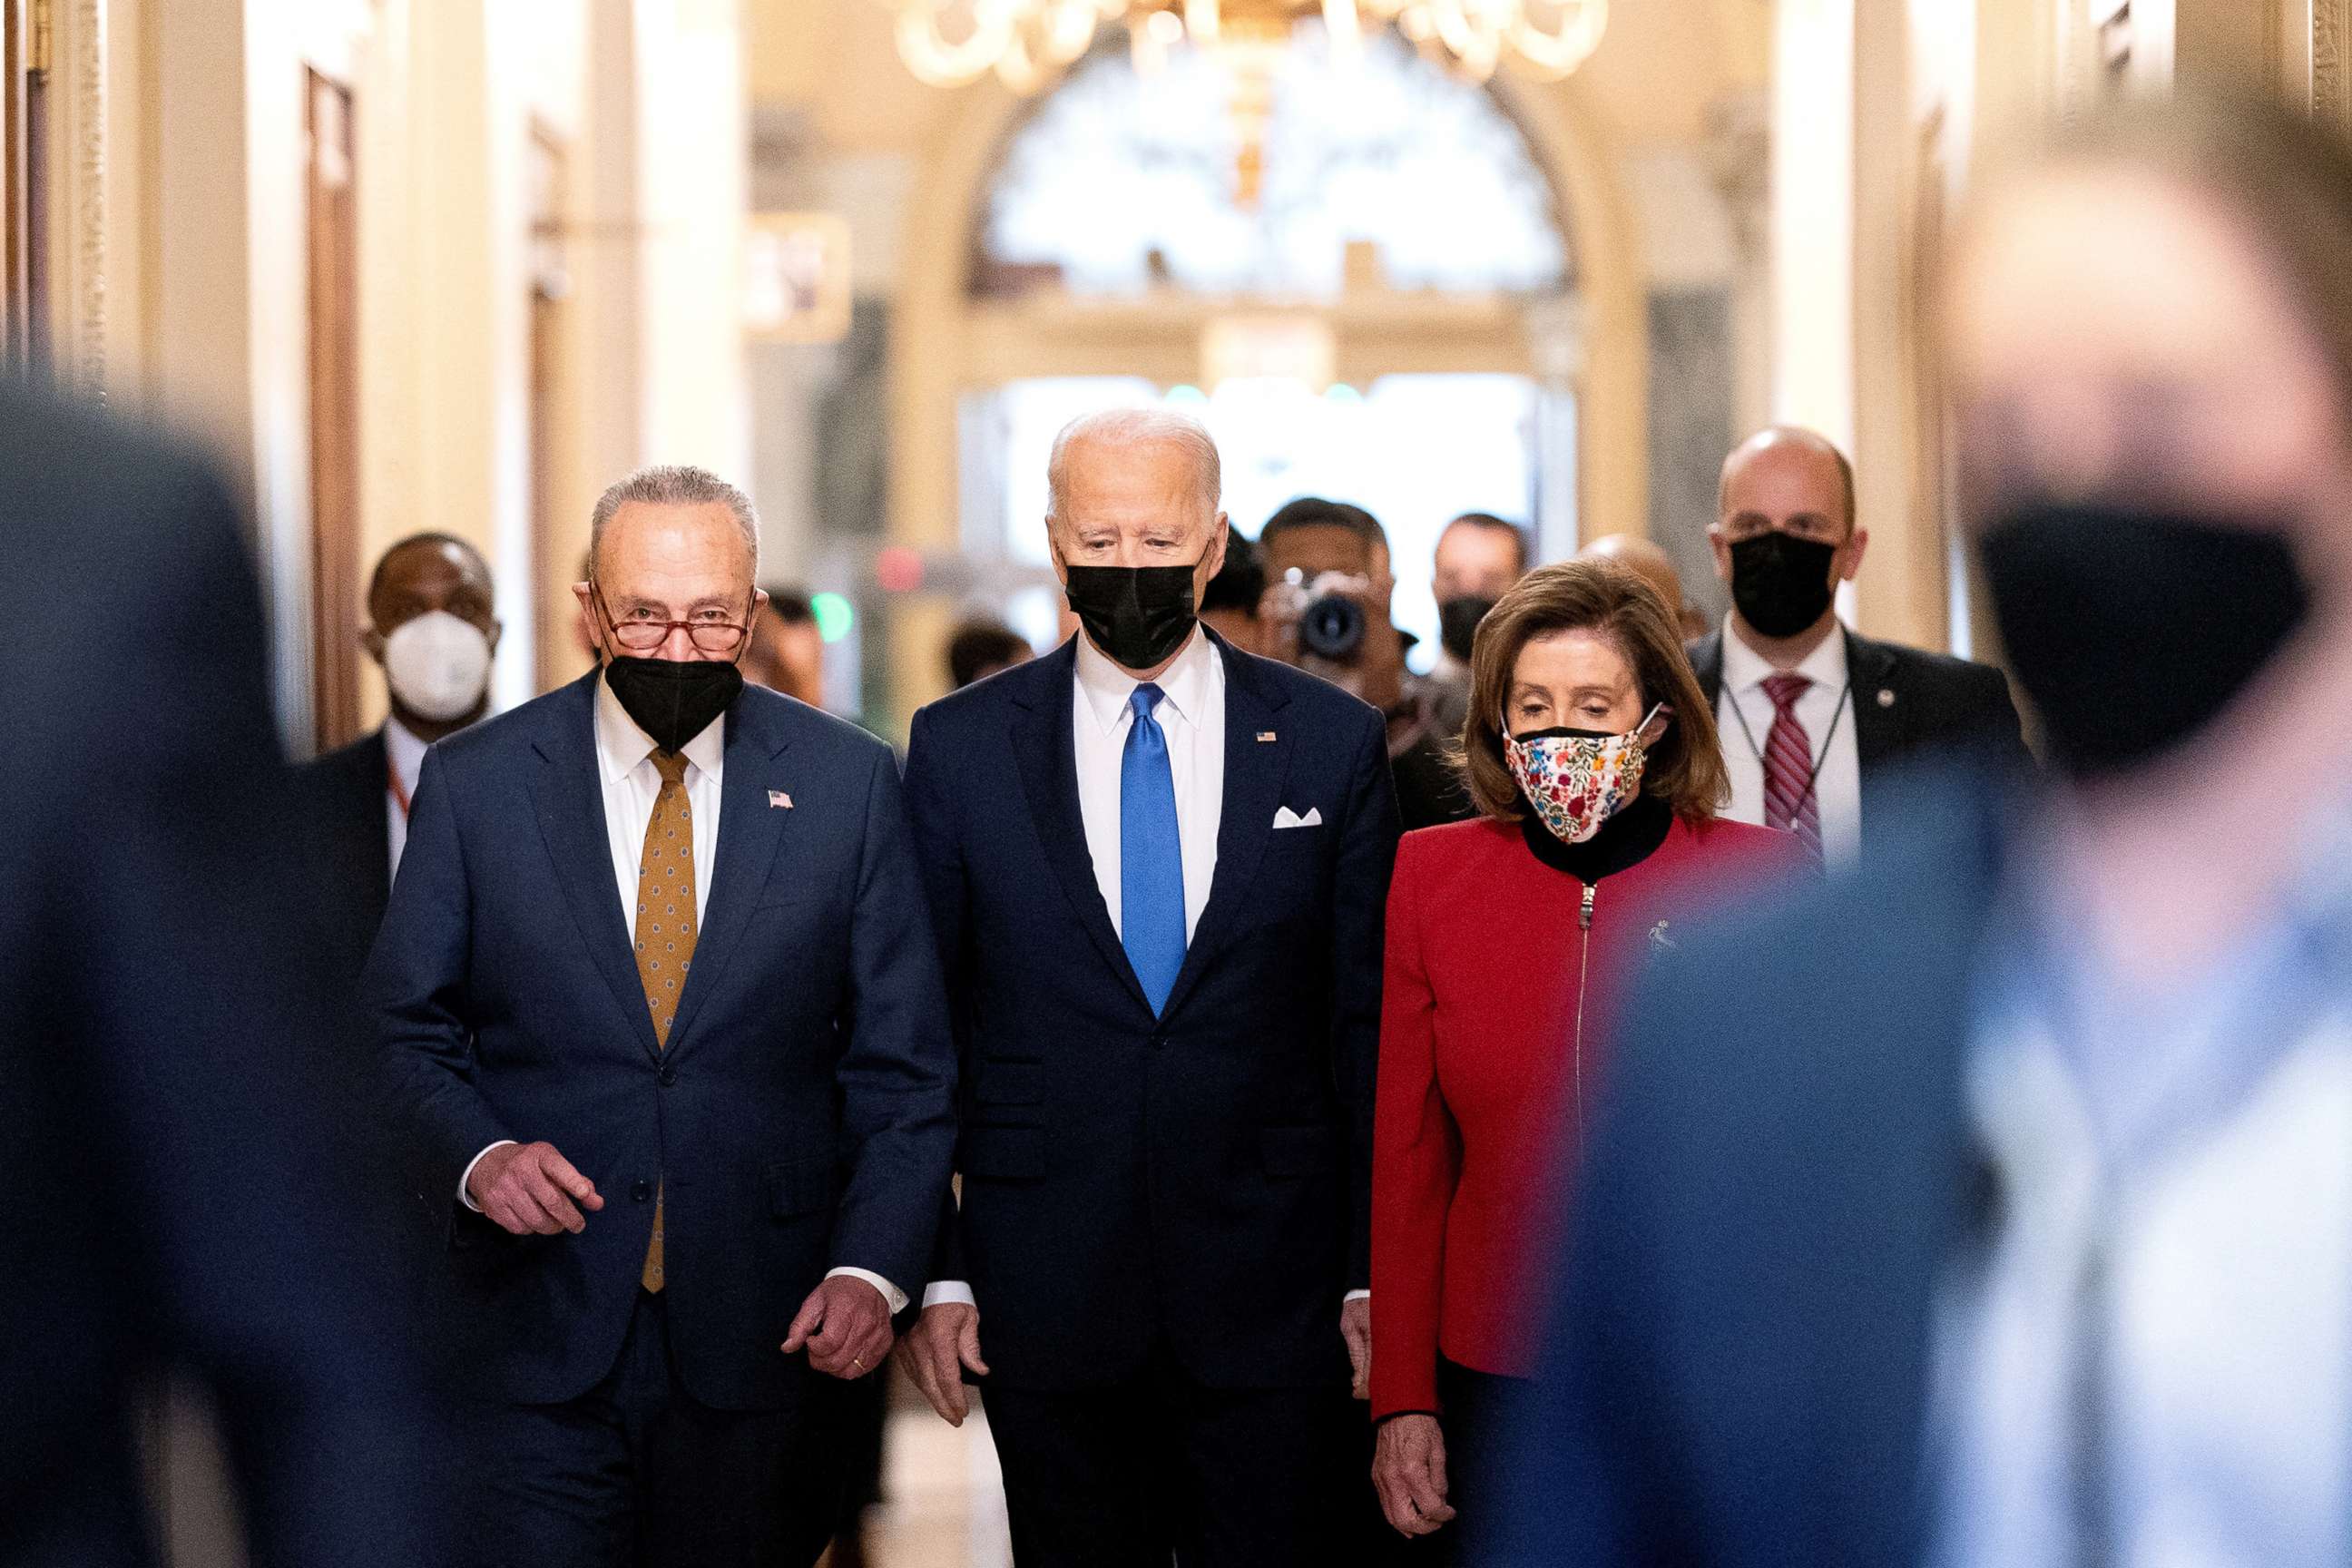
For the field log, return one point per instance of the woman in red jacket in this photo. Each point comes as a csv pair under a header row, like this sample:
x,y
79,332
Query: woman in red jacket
x,y
1512,940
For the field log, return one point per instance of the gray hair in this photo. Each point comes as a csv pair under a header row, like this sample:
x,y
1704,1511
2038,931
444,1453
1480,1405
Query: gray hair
x,y
1139,427
674,484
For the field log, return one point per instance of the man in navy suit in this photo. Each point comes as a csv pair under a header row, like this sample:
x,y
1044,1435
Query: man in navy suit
x,y
661,1017
1159,868
183,1165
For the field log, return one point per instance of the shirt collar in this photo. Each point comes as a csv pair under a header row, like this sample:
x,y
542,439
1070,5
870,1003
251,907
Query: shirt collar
x,y
621,745
406,753
1744,668
1105,687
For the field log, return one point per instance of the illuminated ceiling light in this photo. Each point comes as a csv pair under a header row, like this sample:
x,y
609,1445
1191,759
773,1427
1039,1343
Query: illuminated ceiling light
x,y
1028,43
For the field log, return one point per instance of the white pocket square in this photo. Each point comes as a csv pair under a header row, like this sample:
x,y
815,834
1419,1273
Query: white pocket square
x,y
1286,817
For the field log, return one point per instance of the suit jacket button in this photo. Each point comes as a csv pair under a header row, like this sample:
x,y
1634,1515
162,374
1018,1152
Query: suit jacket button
x,y
641,1191
668,1077
1159,1042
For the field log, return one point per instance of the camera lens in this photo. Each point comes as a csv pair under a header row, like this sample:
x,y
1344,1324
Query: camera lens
x,y
1332,627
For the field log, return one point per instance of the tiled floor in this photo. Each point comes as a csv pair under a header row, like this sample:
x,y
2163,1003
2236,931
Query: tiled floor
x,y
943,1504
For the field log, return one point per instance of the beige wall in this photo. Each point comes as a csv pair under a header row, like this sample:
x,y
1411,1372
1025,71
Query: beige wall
x,y
183,180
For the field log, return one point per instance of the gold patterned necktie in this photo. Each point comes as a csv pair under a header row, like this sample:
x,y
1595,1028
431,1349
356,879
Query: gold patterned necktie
x,y
664,929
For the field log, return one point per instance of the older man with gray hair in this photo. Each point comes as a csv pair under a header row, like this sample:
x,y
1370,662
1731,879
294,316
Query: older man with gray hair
x,y
663,1033
1158,867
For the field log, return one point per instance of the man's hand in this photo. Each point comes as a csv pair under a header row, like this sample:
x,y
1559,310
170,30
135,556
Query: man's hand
x,y
944,1341
1355,1328
531,1190
845,1326
1409,1472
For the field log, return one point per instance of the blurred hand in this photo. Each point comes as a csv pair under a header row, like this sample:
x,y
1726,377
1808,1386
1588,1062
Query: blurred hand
x,y
844,1325
944,1342
529,1189
1409,1472
1355,1328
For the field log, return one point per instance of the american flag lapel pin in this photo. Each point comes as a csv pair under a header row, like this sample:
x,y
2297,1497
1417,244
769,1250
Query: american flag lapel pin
x,y
778,800
1265,737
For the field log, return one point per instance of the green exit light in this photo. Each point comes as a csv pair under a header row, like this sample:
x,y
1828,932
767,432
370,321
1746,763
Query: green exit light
x,y
834,616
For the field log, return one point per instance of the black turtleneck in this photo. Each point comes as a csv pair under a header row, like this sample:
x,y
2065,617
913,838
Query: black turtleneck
x,y
1625,841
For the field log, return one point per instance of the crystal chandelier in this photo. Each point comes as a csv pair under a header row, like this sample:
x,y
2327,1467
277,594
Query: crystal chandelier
x,y
1026,43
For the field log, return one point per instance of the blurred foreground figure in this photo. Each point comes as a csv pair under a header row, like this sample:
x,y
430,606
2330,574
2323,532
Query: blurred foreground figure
x,y
1996,1208
180,1200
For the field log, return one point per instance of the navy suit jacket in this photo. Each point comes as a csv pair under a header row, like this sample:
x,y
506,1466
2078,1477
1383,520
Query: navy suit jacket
x,y
1909,707
801,1116
1781,1174
181,1155
343,796
1200,1180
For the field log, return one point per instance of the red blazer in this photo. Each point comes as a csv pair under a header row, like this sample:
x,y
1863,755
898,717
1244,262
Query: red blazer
x,y
1497,1002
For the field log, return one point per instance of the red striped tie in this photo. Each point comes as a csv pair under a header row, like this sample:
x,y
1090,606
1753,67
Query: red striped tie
x,y
1789,800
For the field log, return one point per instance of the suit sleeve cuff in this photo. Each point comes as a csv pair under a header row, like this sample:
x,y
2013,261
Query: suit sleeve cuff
x,y
890,1293
943,1292
468,1173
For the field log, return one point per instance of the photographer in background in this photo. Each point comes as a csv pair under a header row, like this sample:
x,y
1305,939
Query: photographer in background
x,y
1325,610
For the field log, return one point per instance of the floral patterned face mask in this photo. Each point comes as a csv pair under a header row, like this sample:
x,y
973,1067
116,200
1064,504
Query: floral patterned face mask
x,y
1577,780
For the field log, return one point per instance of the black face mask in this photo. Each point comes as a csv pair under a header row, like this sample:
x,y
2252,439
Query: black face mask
x,y
2132,630
1137,615
673,700
1780,583
1457,623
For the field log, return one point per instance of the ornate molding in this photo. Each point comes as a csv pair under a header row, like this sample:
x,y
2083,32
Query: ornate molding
x,y
86,126
2331,61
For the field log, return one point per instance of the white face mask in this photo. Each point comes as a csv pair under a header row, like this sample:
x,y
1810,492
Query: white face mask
x,y
438,666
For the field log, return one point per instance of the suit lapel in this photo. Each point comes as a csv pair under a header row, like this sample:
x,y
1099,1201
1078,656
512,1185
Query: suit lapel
x,y
1877,726
1254,771
749,829
1048,761
1707,663
371,785
570,800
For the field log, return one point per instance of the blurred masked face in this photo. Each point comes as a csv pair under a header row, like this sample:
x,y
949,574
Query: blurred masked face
x,y
2153,457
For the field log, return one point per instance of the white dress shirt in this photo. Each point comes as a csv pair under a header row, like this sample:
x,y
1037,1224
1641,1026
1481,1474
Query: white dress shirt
x,y
2197,1137
406,755
1837,782
1191,715
631,785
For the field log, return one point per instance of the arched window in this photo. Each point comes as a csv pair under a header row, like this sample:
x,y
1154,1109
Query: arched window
x,y
1122,179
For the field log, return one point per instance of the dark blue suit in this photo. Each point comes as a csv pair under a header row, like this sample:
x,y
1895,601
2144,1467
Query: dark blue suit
x,y
1188,1192
1742,1364
183,1152
802,1114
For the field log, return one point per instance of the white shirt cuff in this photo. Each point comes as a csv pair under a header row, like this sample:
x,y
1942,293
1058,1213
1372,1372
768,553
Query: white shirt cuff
x,y
467,1174
942,1292
890,1293
1355,1296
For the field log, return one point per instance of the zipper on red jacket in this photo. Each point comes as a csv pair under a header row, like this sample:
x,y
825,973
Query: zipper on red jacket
x,y
1583,971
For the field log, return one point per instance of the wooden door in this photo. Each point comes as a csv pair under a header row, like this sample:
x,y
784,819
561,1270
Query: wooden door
x,y
334,226
25,127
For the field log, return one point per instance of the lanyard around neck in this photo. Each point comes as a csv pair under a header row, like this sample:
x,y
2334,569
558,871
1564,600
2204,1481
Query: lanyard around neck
x,y
1845,694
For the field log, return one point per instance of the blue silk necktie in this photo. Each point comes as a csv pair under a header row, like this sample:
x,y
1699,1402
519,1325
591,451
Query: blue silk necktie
x,y
1151,855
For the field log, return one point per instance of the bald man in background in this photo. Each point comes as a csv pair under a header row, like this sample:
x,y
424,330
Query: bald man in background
x,y
1814,717
1650,562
